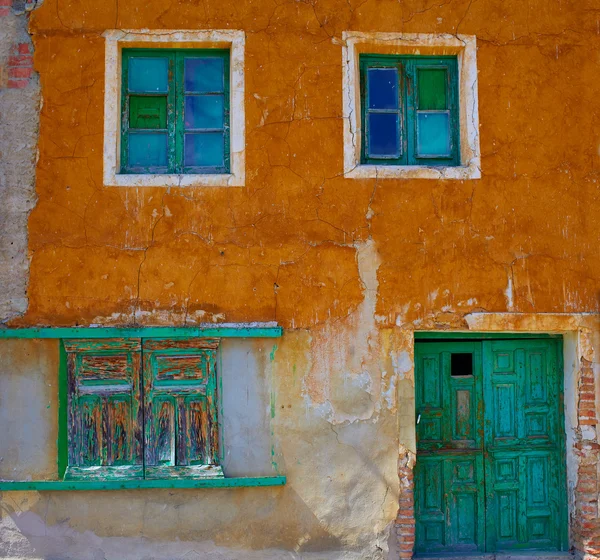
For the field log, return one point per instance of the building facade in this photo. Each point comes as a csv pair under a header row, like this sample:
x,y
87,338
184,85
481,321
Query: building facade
x,y
299,279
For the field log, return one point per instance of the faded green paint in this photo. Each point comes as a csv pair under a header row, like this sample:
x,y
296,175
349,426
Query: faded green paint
x,y
142,332
181,428
62,442
105,417
490,472
449,473
272,355
85,485
104,408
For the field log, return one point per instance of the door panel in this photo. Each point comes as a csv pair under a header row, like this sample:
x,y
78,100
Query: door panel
x,y
524,445
490,472
449,472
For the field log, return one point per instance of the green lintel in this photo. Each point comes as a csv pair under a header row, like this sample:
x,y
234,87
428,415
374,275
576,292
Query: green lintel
x,y
142,332
454,335
51,485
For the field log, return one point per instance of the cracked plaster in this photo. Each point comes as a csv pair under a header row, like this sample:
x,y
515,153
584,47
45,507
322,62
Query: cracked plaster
x,y
339,263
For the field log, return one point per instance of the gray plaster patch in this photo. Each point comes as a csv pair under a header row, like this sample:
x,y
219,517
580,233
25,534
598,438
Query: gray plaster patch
x,y
19,123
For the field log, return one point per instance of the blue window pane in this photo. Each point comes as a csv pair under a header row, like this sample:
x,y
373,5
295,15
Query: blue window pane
x,y
433,134
149,75
204,149
383,88
204,111
203,75
148,149
384,135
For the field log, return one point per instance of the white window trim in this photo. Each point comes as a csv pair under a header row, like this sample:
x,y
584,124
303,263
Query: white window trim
x,y
465,47
116,39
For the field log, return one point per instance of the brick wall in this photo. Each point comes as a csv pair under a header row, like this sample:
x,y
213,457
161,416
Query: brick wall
x,y
5,6
18,69
20,65
405,521
586,525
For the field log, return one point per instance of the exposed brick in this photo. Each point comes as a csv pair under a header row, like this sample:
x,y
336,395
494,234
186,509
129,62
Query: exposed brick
x,y
17,84
18,72
5,7
20,60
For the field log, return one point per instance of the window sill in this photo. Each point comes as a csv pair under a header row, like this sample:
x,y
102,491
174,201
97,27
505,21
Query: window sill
x,y
461,172
173,180
85,485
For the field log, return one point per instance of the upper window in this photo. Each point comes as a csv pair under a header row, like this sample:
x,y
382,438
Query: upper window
x,y
174,108
409,110
175,111
410,106
142,408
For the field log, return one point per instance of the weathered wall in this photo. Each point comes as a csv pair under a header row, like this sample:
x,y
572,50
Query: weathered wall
x,y
341,495
349,267
19,120
523,238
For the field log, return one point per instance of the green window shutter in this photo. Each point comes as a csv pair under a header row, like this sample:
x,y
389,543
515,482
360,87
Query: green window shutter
x,y
181,429
409,107
175,111
104,411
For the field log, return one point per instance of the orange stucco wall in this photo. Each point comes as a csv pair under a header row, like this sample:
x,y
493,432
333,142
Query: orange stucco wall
x,y
525,237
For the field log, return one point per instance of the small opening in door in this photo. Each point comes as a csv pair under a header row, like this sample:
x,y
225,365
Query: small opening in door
x,y
461,365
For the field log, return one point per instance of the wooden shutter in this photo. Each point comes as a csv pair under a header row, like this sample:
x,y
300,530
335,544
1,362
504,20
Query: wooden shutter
x,y
104,412
181,431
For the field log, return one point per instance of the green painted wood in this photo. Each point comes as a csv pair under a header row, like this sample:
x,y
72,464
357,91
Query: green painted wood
x,y
525,484
104,413
410,107
454,335
503,488
449,505
129,126
173,100
141,332
88,485
181,428
62,443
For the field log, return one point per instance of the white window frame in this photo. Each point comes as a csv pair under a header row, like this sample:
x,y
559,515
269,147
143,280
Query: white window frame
x,y
465,48
116,40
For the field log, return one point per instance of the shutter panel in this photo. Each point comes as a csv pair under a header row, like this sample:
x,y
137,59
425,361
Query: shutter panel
x,y
104,411
181,431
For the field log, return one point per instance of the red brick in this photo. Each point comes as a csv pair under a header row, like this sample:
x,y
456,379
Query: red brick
x,y
17,84
18,72
20,60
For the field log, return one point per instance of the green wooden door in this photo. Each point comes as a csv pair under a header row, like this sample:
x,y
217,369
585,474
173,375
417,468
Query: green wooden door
x,y
524,459
449,473
490,464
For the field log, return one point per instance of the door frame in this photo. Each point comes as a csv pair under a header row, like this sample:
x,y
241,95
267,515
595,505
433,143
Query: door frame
x,y
569,405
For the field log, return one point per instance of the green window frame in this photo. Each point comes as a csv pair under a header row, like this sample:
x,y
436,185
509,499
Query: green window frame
x,y
419,93
142,409
175,111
